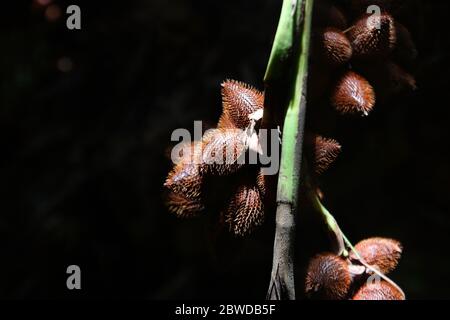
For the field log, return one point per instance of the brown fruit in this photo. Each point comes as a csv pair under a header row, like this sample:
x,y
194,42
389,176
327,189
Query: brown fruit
x,y
186,152
239,100
353,94
325,153
381,290
225,122
328,277
261,183
223,151
245,211
182,206
334,47
368,41
381,253
185,179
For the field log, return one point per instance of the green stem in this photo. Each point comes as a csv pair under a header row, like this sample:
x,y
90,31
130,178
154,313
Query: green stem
x,y
331,223
294,25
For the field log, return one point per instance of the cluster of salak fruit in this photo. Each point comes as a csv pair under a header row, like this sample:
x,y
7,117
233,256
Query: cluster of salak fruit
x,y
362,62
220,153
336,278
358,64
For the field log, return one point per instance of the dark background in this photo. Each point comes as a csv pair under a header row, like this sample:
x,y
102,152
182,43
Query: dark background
x,y
85,122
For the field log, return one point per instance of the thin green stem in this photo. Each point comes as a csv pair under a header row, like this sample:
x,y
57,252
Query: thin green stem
x,y
330,222
288,54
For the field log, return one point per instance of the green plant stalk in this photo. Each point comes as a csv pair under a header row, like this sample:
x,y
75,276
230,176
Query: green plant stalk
x,y
284,40
294,25
330,222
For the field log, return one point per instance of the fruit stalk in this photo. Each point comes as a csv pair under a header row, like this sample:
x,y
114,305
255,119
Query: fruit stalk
x,y
291,48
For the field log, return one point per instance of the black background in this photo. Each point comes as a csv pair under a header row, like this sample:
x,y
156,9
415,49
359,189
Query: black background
x,y
83,153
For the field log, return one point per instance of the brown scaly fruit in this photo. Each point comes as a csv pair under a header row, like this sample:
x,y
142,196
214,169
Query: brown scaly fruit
x,y
185,178
368,41
353,94
261,183
381,290
334,47
328,277
185,152
239,100
325,152
222,151
225,122
381,253
245,211
182,206
218,154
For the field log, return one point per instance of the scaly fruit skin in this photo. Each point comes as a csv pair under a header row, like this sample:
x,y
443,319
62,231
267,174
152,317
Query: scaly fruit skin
x,y
353,94
381,290
325,153
246,209
239,100
185,178
183,207
261,182
370,42
381,253
361,59
328,277
222,151
334,47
